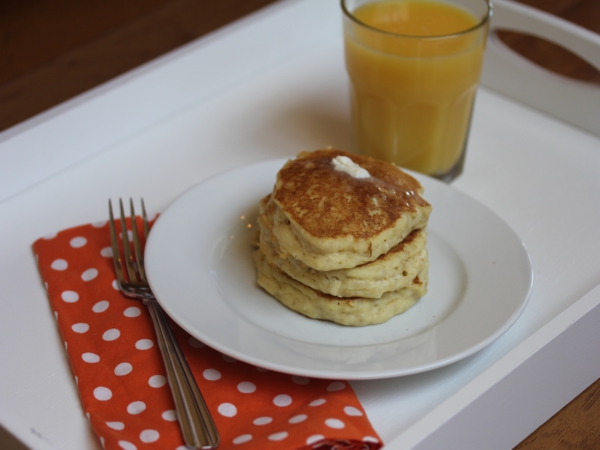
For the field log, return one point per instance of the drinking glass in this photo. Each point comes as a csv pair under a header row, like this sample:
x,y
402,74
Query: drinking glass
x,y
414,69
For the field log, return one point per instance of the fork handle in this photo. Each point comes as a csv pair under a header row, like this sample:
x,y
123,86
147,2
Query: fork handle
x,y
197,426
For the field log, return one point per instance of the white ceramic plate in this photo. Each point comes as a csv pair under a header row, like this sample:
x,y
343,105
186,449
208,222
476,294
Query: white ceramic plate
x,y
199,264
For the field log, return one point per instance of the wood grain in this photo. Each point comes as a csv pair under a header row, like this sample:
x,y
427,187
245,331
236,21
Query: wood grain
x,y
53,50
575,427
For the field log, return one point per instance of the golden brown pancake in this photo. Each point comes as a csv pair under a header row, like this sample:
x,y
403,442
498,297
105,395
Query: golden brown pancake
x,y
331,220
391,271
343,242
353,311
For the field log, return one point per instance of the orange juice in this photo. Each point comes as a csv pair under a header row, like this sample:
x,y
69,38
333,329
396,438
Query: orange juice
x,y
414,68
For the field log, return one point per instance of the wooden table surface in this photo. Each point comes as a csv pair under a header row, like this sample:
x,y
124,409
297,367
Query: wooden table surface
x,y
52,50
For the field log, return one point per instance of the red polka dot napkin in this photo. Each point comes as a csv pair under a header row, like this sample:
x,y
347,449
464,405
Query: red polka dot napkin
x,y
118,369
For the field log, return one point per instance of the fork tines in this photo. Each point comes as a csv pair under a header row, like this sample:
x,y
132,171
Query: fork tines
x,y
133,262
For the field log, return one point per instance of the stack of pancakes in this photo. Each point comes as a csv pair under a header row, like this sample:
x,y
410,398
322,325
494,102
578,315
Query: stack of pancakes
x,y
341,244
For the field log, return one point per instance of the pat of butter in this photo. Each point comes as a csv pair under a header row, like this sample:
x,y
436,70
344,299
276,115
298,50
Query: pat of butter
x,y
345,164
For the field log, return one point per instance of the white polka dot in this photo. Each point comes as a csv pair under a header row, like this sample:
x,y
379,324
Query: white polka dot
x,y
116,425
107,252
115,285
278,436
352,411
89,274
299,418
98,224
243,438
111,335
129,235
211,374
157,381
136,407
300,380
196,343
228,359
90,358
126,445
132,311
227,409
262,420
335,423
144,344
101,306
69,296
59,264
317,402
245,387
80,327
336,386
314,438
78,242
148,436
170,415
123,369
282,400
370,439
102,393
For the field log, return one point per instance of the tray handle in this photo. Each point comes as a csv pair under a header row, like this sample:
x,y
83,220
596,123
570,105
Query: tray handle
x,y
574,102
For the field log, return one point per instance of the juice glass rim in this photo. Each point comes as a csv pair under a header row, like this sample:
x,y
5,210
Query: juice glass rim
x,y
484,20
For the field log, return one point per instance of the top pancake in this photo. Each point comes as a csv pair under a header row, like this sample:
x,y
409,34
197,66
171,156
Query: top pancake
x,y
330,220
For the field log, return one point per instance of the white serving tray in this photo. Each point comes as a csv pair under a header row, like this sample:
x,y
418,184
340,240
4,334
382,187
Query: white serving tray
x,y
269,86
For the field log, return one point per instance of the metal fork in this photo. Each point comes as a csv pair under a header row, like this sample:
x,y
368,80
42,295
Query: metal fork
x,y
197,426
